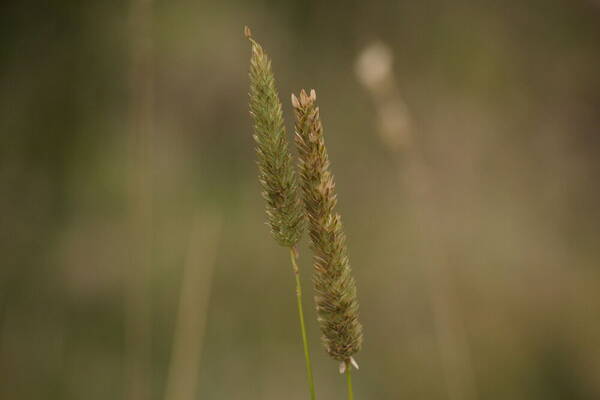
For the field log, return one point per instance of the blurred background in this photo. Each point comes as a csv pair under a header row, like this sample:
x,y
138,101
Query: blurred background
x,y
135,263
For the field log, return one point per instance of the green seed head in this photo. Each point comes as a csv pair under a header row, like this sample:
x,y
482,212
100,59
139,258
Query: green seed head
x,y
276,171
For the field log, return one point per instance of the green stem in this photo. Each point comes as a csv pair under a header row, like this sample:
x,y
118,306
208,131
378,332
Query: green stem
x,y
349,381
309,374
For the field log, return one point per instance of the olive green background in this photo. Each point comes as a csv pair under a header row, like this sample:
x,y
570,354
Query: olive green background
x,y
126,154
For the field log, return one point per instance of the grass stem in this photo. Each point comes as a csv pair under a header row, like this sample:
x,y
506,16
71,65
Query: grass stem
x,y
309,373
349,381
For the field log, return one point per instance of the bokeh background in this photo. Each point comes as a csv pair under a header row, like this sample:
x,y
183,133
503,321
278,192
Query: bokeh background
x,y
464,137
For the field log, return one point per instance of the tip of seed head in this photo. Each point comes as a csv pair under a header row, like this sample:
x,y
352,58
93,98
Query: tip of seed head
x,y
247,32
295,102
304,99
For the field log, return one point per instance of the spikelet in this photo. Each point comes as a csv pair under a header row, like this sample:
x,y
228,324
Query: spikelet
x,y
276,171
335,289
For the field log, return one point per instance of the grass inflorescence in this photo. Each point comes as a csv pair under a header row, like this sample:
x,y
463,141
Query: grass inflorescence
x,y
335,289
288,211
276,170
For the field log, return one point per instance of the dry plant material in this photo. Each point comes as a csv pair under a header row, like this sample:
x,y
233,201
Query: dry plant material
x,y
335,289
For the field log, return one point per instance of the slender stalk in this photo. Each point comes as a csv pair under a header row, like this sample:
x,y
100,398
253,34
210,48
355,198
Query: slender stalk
x,y
349,381
309,374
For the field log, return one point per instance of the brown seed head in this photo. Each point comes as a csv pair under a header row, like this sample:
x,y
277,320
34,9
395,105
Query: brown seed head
x,y
335,288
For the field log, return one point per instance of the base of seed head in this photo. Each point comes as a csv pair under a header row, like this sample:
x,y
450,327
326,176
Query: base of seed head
x,y
348,364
